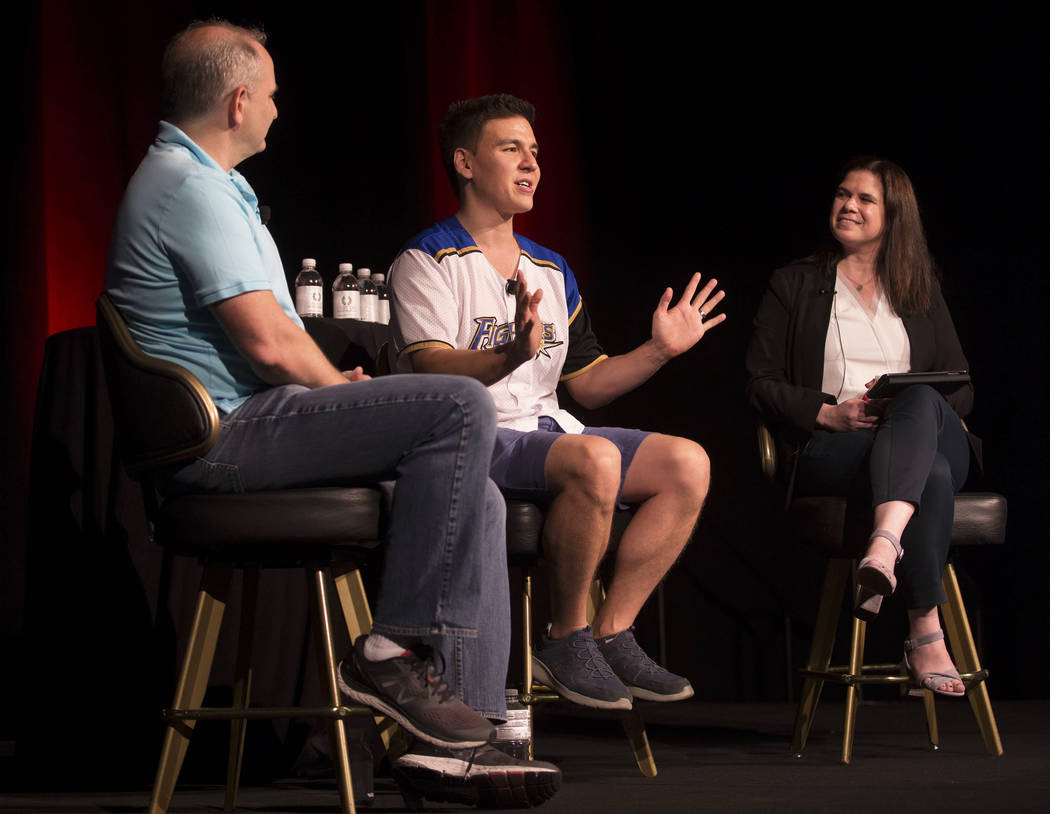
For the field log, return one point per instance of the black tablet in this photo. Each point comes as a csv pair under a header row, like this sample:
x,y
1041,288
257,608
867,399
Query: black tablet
x,y
943,381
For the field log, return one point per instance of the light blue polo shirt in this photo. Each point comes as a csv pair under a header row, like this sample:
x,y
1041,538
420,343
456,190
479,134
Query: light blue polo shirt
x,y
188,235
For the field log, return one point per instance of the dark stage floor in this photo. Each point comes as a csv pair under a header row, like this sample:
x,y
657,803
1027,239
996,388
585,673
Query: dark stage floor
x,y
716,757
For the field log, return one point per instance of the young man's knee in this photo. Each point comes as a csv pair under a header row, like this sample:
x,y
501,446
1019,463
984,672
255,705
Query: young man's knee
x,y
586,462
688,468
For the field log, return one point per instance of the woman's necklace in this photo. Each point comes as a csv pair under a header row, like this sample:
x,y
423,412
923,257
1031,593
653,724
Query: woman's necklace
x,y
855,284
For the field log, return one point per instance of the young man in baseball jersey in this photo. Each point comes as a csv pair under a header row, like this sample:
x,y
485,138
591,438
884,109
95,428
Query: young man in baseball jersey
x,y
472,297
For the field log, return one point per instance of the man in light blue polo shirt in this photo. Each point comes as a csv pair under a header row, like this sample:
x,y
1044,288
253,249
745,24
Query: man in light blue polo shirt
x,y
200,282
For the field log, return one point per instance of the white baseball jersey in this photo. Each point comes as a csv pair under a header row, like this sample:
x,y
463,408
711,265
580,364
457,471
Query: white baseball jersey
x,y
445,293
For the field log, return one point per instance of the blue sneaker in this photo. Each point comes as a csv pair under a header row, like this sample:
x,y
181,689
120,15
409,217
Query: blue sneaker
x,y
574,667
641,675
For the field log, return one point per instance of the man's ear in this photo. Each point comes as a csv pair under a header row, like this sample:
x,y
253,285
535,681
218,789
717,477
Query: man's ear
x,y
462,160
235,106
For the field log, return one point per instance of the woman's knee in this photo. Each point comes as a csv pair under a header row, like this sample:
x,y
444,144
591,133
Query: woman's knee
x,y
918,396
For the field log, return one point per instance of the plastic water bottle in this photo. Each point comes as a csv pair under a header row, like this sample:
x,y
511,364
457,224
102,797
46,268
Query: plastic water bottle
x,y
309,290
346,299
382,300
369,300
513,737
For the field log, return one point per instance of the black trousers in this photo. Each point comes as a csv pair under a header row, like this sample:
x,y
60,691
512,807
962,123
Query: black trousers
x,y
919,454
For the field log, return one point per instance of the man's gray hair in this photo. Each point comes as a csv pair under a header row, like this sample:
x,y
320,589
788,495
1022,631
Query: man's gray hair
x,y
198,70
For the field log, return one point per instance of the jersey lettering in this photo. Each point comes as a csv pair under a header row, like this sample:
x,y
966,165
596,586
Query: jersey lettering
x,y
490,334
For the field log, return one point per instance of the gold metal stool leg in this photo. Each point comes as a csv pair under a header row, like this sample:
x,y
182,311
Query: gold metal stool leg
x,y
352,600
329,686
835,575
965,652
193,680
526,653
242,683
634,729
856,667
632,723
358,618
930,708
595,598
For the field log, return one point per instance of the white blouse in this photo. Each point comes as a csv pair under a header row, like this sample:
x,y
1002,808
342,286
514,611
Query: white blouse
x,y
861,344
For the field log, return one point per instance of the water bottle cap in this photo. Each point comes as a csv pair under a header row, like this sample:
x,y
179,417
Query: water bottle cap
x,y
345,267
379,276
364,272
309,263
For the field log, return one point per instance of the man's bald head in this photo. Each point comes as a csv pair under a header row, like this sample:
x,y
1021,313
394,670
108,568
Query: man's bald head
x,y
204,63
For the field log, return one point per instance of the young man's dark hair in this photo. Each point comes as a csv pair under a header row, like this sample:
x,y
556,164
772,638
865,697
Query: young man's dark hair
x,y
464,121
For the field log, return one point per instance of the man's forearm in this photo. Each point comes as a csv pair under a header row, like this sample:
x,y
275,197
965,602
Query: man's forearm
x,y
616,375
298,360
487,366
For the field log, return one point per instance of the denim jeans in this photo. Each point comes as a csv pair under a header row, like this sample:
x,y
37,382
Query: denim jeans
x,y
919,453
445,579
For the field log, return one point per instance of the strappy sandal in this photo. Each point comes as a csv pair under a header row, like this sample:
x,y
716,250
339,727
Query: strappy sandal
x,y
868,605
933,679
872,574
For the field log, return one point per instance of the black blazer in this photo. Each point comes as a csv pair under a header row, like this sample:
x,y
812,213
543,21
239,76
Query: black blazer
x,y
785,360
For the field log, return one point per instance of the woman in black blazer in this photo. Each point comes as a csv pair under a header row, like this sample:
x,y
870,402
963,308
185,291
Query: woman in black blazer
x,y
826,328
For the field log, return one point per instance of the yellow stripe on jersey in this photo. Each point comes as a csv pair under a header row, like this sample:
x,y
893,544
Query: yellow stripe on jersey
x,y
545,263
441,255
583,369
572,316
426,343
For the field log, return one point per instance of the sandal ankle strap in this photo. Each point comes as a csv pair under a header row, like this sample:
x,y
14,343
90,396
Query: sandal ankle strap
x,y
929,638
891,537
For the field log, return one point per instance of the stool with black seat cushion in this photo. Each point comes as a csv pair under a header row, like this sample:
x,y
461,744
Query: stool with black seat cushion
x,y
839,529
163,415
525,550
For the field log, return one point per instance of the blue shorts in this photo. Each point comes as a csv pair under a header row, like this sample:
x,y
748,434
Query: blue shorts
x,y
519,457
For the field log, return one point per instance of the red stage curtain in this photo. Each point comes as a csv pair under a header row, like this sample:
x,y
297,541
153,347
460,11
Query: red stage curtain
x,y
475,48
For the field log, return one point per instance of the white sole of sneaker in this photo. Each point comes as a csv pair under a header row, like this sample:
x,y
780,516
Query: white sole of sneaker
x,y
369,699
641,694
541,672
456,767
435,780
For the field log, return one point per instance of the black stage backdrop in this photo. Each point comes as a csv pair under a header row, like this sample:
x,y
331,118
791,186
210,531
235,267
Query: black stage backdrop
x,y
671,143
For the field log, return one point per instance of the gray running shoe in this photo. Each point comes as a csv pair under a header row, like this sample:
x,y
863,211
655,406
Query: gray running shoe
x,y
411,691
484,776
646,679
574,667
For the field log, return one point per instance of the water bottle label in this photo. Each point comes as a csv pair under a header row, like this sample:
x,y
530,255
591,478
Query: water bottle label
x,y
309,300
384,312
346,305
368,308
513,731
